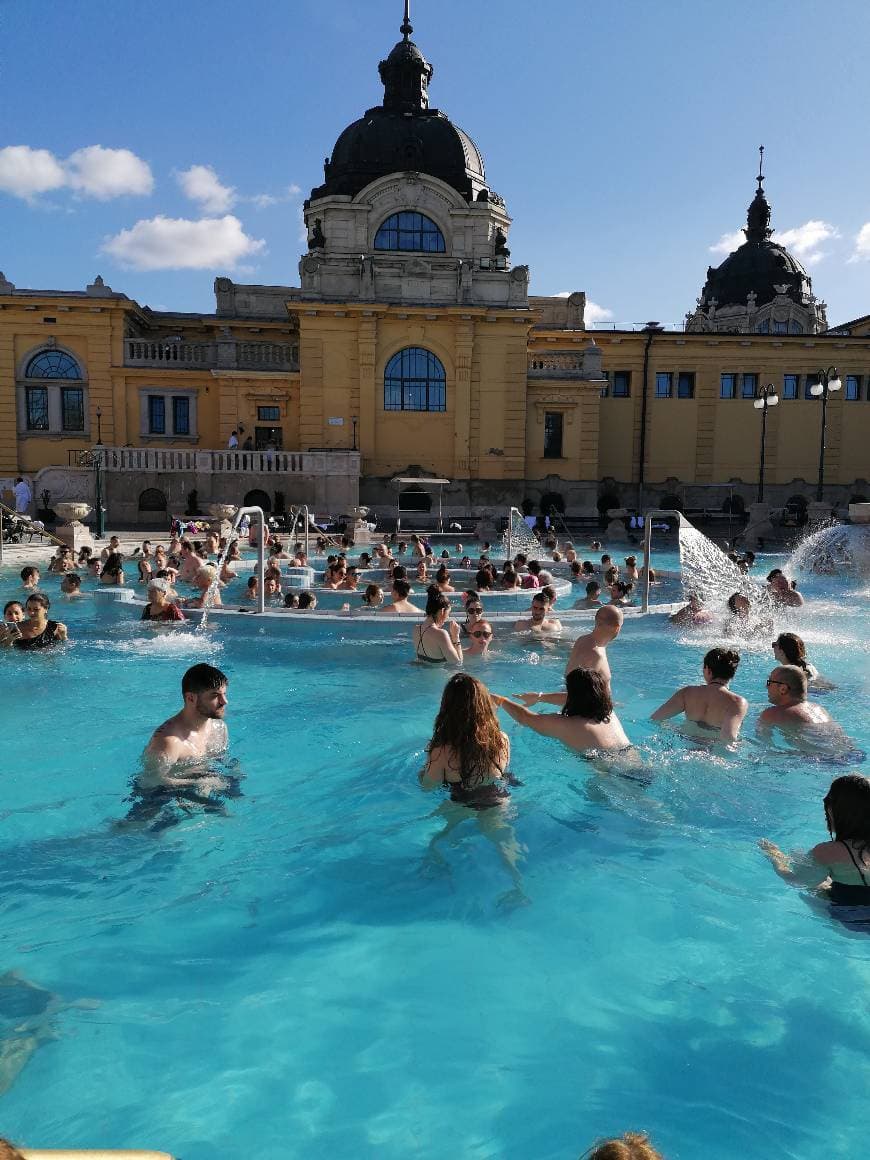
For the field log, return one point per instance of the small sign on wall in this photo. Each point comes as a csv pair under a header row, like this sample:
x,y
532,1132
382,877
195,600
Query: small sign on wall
x,y
335,421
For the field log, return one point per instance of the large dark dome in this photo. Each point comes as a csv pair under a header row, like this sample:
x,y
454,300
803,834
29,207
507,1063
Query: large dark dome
x,y
756,267
403,134
384,142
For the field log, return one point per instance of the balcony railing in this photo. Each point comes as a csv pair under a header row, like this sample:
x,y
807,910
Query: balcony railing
x,y
162,460
556,365
226,355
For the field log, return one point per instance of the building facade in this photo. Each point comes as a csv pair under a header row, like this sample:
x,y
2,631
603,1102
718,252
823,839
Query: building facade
x,y
411,347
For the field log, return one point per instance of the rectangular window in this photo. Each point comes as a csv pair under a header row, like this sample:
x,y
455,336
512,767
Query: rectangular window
x,y
686,385
750,386
181,415
764,327
269,414
156,415
37,408
664,384
780,328
727,386
553,434
853,388
810,381
621,384
790,386
72,408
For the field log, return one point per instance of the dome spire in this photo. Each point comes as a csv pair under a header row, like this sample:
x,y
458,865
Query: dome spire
x,y
407,27
406,73
758,218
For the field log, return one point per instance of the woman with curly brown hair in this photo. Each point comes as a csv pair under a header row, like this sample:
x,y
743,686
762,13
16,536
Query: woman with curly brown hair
x,y
468,753
629,1146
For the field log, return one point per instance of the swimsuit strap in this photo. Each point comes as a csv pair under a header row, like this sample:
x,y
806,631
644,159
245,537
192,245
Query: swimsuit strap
x,y
855,860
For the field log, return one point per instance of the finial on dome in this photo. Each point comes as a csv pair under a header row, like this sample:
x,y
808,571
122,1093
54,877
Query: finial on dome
x,y
760,178
758,218
407,27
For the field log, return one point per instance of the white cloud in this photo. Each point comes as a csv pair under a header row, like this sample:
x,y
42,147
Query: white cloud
x,y
265,200
25,172
805,240
595,313
728,243
201,183
162,243
564,294
862,245
92,171
107,173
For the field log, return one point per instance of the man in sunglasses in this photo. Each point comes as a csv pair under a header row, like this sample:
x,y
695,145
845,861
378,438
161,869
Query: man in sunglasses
x,y
479,636
789,708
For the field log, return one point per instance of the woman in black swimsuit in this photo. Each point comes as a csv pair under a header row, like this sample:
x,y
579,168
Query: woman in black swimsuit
x,y
38,631
839,869
468,753
436,640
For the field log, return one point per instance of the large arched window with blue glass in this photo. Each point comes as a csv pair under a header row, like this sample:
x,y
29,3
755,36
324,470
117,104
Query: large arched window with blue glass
x,y
415,381
410,231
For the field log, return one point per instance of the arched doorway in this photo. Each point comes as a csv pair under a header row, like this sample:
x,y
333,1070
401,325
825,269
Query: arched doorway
x,y
258,498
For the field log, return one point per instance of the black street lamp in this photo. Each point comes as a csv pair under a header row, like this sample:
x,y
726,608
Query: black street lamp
x,y
767,397
354,421
99,425
829,380
98,490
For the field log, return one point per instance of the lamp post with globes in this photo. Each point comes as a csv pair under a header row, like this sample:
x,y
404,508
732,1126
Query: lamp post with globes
x,y
829,380
767,397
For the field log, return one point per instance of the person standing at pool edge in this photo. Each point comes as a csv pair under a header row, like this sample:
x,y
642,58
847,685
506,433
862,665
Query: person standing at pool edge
x,y
196,732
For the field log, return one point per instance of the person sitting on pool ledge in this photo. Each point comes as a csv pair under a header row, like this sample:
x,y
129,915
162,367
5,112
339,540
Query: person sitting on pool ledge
x,y
587,720
400,602
195,733
436,640
590,650
840,869
539,622
38,631
789,709
710,707
468,753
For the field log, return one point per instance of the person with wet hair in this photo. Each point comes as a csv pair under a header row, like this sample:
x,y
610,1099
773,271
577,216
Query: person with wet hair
x,y
307,601
71,585
620,592
436,639
592,598
789,649
711,708
373,597
693,614
839,869
442,580
400,591
628,1146
483,580
37,631
29,577
631,572
113,569
587,720
468,754
539,622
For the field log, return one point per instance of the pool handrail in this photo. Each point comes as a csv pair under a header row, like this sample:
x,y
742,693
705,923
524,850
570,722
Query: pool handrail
x,y
261,550
648,517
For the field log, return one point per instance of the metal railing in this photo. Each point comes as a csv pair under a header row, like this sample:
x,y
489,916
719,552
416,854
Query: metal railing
x,y
655,513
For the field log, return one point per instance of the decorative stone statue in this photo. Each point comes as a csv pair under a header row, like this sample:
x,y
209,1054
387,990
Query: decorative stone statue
x,y
501,247
317,241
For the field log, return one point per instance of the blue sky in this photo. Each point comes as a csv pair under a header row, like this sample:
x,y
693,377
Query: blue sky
x,y
622,135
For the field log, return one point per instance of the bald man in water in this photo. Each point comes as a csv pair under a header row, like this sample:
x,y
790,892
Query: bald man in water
x,y
590,650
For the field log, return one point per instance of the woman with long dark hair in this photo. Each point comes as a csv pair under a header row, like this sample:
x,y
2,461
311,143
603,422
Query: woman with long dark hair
x,y
468,753
587,720
436,640
839,869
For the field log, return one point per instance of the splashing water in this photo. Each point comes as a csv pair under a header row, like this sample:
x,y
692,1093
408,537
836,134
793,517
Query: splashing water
x,y
708,573
521,538
834,548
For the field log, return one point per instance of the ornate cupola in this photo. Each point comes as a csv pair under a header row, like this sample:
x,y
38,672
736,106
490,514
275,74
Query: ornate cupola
x,y
406,73
760,287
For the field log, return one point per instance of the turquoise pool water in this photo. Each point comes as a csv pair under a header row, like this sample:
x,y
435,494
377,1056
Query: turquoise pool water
x,y
329,970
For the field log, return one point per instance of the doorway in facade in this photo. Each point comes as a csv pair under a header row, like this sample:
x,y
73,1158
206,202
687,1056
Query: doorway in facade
x,y
265,437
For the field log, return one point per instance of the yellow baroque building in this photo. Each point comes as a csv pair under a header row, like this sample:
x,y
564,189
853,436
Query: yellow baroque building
x,y
411,348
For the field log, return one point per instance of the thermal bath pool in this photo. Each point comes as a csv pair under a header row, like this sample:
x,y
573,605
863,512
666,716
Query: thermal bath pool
x,y
325,972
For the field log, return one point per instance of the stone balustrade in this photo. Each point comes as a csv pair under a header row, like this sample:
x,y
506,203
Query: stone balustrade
x,y
227,354
162,460
557,365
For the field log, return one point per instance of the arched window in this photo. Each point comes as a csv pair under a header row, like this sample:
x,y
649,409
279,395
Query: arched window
x,y
415,381
53,364
152,500
410,231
